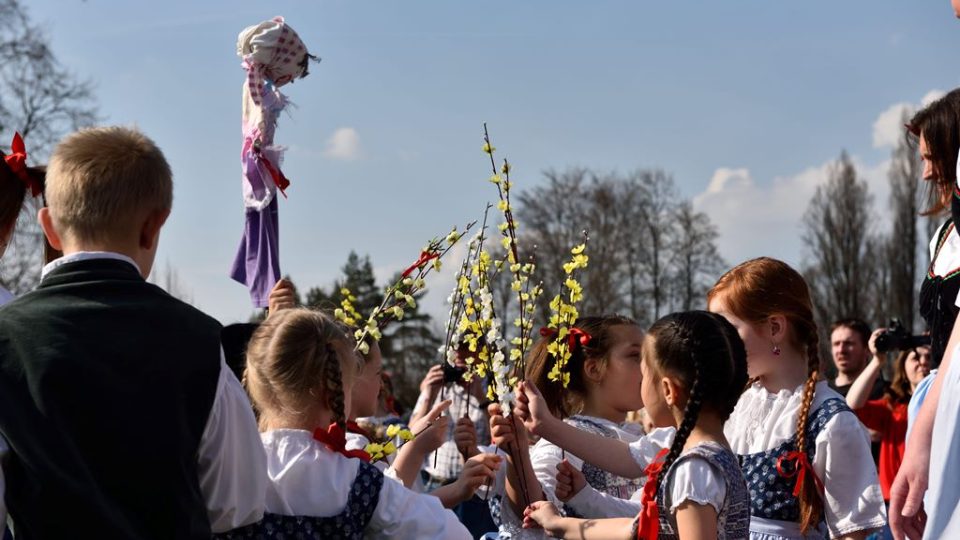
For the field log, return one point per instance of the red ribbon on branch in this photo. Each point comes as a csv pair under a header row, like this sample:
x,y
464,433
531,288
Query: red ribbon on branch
x,y
425,257
335,439
276,174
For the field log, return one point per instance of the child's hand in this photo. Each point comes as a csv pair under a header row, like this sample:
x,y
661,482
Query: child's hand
x,y
477,471
431,429
282,296
540,514
532,409
501,429
465,436
569,481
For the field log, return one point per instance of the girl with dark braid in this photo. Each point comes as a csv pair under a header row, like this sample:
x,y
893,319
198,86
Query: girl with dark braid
x,y
300,372
805,455
694,365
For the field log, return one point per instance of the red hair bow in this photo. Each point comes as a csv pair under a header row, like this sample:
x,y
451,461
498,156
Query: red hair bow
x,y
335,439
575,336
17,161
648,521
801,465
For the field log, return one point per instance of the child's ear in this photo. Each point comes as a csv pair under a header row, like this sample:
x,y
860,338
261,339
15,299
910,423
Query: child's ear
x,y
670,391
777,325
150,231
592,370
46,223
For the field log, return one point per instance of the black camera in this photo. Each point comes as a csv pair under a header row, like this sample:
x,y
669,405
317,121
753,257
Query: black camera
x,y
896,338
452,374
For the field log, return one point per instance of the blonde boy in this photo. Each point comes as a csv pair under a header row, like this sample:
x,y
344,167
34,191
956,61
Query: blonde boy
x,y
121,418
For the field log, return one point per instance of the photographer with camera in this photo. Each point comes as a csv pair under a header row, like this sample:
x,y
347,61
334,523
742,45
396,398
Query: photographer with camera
x,y
467,409
887,415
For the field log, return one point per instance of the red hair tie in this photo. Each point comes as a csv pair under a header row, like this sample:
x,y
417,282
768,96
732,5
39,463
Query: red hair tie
x,y
575,336
800,467
335,439
17,161
648,521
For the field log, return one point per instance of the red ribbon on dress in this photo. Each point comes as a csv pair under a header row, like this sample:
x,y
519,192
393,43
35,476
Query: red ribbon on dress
x,y
17,161
575,336
425,257
335,439
648,521
800,467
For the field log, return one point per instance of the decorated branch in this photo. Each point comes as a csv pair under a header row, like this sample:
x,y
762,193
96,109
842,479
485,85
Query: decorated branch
x,y
399,296
381,450
564,314
521,273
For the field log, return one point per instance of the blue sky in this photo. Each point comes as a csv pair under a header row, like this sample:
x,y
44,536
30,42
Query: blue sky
x,y
745,102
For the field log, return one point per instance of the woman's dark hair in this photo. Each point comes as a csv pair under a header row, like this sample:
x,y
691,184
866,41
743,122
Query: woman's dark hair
x,y
939,122
704,352
564,402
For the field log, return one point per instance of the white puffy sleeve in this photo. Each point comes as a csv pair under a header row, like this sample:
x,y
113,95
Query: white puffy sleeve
x,y
592,504
694,479
842,460
645,449
402,513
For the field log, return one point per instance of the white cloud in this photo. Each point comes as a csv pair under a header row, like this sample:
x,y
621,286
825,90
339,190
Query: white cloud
x,y
343,144
888,127
757,219
932,96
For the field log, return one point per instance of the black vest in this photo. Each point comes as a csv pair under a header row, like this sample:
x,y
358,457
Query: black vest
x,y
106,383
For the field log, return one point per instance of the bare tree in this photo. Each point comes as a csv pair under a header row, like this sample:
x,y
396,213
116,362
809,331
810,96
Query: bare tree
x,y
905,200
654,214
836,234
696,261
42,101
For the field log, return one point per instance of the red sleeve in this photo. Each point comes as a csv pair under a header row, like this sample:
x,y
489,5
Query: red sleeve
x,y
875,414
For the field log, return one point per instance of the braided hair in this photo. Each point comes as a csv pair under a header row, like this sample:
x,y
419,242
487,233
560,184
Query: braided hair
x,y
295,358
756,290
565,402
695,347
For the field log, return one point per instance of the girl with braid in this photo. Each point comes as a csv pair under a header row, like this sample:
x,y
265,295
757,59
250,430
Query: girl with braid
x,y
805,455
694,365
300,371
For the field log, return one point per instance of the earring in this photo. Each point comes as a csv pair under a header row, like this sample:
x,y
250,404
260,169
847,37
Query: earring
x,y
776,350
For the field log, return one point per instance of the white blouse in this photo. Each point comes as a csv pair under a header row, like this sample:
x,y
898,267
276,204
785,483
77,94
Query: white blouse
x,y
307,479
842,460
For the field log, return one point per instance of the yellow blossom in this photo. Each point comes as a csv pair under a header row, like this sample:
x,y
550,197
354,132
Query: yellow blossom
x,y
503,205
393,430
489,149
495,179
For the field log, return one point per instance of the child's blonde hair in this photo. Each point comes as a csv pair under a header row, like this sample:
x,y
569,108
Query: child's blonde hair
x,y
101,181
295,359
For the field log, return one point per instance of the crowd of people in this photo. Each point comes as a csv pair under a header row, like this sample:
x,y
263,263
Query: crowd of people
x,y
126,413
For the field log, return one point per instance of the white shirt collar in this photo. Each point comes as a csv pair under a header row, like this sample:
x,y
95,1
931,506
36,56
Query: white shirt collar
x,y
85,256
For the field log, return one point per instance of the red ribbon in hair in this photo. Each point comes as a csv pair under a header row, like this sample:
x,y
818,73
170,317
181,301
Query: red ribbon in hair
x,y
801,465
648,521
425,257
17,161
335,439
575,336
